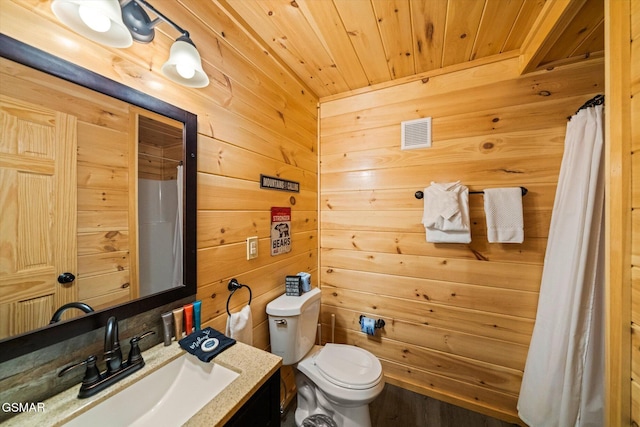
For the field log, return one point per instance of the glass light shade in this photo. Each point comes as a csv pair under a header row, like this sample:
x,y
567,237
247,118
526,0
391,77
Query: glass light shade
x,y
94,19
184,61
114,34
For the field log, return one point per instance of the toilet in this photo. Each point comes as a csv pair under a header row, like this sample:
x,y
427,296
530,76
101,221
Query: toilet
x,y
336,380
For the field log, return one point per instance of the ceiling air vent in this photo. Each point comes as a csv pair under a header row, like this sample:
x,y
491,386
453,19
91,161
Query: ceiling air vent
x,y
416,133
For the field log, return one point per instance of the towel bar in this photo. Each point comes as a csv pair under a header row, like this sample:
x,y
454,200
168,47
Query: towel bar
x,y
233,287
420,194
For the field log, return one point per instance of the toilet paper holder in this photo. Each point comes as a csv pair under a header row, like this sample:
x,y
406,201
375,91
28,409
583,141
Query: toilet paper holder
x,y
378,324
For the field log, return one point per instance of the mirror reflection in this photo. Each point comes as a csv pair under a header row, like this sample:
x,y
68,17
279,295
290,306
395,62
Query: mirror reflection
x,y
91,191
160,181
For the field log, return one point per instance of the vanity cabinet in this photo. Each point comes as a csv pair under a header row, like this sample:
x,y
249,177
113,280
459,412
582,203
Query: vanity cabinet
x,y
263,408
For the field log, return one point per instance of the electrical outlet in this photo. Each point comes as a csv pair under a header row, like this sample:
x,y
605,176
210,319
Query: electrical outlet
x,y
252,247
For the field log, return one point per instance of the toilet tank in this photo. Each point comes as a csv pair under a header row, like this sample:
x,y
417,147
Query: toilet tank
x,y
293,322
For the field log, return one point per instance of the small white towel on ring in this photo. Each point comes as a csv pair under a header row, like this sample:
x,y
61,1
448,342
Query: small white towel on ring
x,y
446,213
503,209
240,326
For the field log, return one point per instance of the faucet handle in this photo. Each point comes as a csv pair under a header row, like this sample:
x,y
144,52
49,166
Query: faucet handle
x,y
134,353
91,374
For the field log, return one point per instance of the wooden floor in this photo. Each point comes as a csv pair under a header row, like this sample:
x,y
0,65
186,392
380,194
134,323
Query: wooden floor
x,y
399,407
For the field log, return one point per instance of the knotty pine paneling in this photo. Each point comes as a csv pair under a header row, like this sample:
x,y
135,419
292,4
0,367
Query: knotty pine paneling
x,y
220,262
634,90
635,178
493,325
254,107
635,352
220,158
253,118
336,46
525,277
475,372
103,277
635,399
443,293
402,221
469,149
458,317
531,251
490,350
635,294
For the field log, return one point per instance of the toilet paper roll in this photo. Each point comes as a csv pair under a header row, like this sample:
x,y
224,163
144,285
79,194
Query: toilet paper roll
x,y
368,326
306,281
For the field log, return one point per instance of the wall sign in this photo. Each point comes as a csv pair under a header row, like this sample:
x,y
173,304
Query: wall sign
x,y
279,184
280,231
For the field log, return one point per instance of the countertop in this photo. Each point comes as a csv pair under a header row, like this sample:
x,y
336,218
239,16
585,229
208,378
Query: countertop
x,y
255,366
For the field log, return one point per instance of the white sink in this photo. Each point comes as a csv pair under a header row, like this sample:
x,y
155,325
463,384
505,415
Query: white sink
x,y
168,396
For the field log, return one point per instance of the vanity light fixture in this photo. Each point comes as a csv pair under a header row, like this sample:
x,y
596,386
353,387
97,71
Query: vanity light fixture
x,y
115,24
100,21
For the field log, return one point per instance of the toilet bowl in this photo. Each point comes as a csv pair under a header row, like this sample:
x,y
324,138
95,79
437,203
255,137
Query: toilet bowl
x,y
336,380
344,378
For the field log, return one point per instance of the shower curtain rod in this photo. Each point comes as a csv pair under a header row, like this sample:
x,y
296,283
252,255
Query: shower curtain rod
x,y
596,100
160,157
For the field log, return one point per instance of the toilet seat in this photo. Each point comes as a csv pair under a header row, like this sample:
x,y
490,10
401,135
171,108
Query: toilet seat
x,y
348,366
337,391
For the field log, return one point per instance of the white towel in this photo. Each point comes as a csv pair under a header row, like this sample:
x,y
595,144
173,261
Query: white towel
x,y
446,213
442,207
438,236
240,326
503,209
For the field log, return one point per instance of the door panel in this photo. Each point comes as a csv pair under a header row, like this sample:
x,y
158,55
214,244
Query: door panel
x,y
38,222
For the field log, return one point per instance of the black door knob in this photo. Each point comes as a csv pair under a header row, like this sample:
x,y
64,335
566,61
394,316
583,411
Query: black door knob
x,y
66,278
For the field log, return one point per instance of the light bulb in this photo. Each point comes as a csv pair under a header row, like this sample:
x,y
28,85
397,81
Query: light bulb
x,y
185,71
94,19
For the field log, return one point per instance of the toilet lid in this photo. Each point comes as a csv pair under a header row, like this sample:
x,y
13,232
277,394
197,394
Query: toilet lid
x,y
349,366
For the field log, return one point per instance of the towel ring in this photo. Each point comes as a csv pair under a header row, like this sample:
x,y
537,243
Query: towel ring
x,y
234,286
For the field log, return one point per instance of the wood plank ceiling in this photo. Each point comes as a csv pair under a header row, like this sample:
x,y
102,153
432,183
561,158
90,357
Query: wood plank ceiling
x,y
337,46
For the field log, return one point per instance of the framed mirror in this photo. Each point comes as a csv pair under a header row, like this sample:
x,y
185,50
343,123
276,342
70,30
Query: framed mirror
x,y
108,215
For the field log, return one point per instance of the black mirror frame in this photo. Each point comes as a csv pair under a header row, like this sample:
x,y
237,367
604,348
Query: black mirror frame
x,y
24,54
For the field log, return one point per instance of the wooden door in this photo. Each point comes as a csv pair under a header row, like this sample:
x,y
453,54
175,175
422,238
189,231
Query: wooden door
x,y
38,218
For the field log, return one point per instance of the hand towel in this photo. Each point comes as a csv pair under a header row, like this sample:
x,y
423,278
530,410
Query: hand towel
x,y
446,213
442,210
240,325
503,209
206,343
438,236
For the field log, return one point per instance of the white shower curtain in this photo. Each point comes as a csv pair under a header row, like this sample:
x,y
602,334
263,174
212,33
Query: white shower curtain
x,y
563,381
177,237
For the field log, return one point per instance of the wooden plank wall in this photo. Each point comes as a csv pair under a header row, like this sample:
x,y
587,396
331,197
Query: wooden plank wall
x,y
635,209
458,317
160,147
158,163
253,118
103,213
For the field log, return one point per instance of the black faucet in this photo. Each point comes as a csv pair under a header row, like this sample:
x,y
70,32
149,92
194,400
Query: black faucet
x,y
116,368
112,352
79,305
